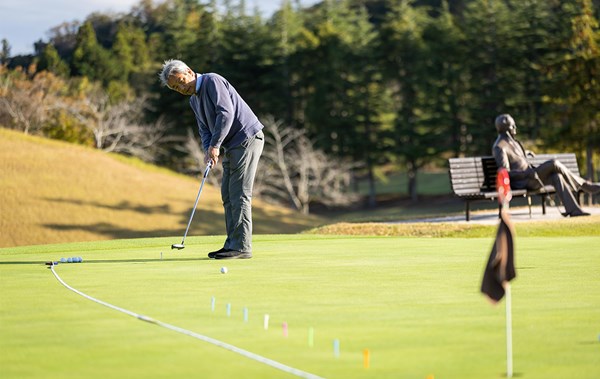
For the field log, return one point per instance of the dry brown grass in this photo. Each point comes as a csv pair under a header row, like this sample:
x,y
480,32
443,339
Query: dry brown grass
x,y
574,227
54,192
404,229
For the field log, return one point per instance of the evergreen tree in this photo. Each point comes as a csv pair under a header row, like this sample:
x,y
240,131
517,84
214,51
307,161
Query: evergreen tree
x,y
4,51
86,51
206,51
445,85
122,50
282,83
369,103
130,49
405,62
180,26
51,61
64,38
332,74
339,94
493,67
246,54
573,87
92,60
533,31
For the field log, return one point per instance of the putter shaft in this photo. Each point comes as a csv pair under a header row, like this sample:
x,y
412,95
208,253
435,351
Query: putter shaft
x,y
181,245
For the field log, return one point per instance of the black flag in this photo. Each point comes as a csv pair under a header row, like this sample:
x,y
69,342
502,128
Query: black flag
x,y
500,267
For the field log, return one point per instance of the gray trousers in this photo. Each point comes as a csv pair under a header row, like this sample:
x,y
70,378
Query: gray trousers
x,y
239,169
564,181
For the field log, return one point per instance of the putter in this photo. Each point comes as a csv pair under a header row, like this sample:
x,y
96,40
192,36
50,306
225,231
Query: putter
x,y
181,245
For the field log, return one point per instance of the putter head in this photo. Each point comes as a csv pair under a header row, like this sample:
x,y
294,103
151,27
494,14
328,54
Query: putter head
x,y
177,246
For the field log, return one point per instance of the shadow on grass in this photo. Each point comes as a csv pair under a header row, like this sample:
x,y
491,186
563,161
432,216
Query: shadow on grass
x,y
264,222
116,231
123,205
119,232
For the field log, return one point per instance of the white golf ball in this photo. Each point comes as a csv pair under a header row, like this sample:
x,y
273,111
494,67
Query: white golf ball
x,y
63,260
70,260
223,270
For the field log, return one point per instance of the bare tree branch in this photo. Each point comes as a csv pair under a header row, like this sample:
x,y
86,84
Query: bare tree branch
x,y
292,170
118,128
194,161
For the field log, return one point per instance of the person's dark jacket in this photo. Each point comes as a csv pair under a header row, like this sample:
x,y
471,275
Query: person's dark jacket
x,y
223,117
509,154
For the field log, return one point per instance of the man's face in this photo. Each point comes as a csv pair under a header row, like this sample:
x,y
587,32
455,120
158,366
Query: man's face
x,y
512,129
184,83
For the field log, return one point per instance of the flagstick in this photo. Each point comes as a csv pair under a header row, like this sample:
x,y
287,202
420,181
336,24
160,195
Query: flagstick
x,y
509,360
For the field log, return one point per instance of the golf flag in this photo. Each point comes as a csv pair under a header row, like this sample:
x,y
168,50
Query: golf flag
x,y
500,267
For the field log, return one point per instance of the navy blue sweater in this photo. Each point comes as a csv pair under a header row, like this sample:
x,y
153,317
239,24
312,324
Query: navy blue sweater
x,y
224,118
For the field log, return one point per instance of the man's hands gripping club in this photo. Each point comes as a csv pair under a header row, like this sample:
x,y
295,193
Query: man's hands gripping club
x,y
212,156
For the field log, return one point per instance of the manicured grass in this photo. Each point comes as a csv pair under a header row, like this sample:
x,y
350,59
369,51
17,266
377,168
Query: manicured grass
x,y
413,302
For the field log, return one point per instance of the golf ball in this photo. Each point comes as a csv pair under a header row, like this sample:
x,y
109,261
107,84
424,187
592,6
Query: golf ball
x,y
69,260
63,260
223,270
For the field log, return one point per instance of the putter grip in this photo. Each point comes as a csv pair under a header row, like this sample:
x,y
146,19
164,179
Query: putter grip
x,y
207,169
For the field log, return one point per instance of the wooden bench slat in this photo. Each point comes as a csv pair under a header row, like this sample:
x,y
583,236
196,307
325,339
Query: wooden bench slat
x,y
474,178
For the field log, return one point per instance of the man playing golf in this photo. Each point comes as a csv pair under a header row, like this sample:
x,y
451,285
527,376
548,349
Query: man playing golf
x,y
225,121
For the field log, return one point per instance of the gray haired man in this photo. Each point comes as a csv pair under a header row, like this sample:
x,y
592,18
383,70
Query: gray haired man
x,y
225,121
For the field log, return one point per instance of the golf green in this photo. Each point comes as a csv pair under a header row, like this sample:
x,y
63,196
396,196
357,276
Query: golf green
x,y
414,303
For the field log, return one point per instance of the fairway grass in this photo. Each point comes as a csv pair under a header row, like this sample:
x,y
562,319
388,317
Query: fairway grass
x,y
413,302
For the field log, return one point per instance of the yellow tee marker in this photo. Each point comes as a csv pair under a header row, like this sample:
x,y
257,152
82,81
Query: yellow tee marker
x,y
366,358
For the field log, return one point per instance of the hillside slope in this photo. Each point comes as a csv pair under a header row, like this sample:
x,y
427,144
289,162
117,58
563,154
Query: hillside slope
x,y
52,192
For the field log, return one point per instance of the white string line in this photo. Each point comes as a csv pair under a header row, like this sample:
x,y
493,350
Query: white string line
x,y
213,341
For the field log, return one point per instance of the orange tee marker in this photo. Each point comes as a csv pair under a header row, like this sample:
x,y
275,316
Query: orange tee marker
x,y
366,358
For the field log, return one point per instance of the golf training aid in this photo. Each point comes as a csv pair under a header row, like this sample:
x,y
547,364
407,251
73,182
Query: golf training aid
x,y
181,245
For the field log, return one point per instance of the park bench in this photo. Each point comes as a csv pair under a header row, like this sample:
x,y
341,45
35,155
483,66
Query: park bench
x,y
474,179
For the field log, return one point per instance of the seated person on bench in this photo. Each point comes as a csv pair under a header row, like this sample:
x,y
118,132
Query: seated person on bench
x,y
510,154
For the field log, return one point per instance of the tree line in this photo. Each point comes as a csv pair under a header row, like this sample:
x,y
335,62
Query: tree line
x,y
368,83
